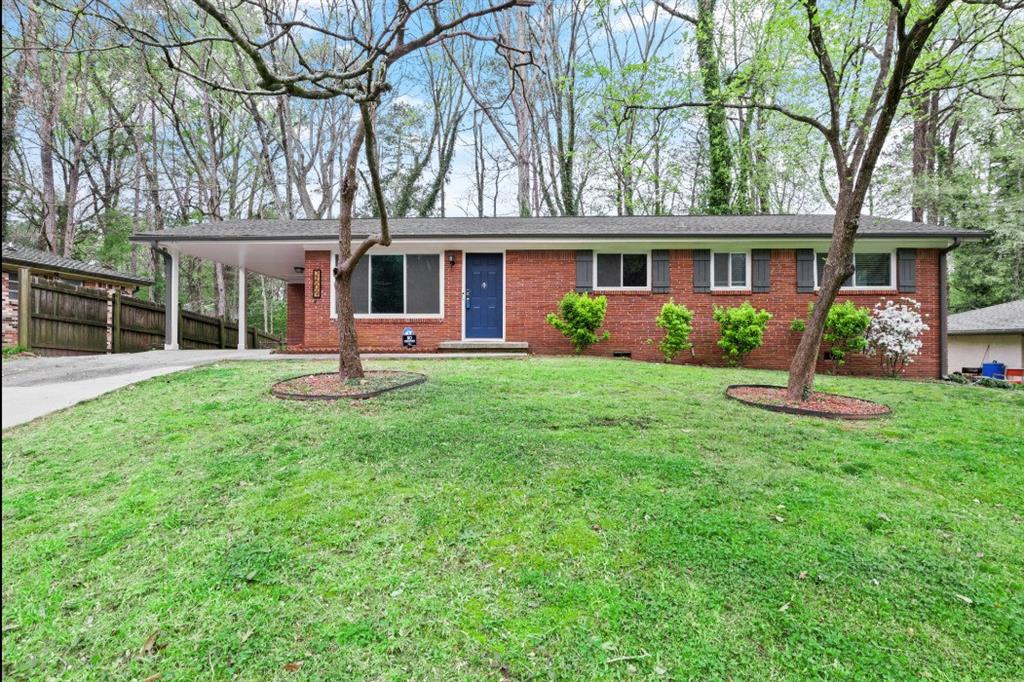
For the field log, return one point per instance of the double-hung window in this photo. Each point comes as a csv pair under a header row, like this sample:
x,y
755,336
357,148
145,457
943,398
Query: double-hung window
x,y
622,271
870,271
730,270
396,285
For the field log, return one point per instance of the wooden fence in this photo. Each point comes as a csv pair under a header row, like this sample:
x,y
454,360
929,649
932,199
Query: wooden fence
x,y
67,320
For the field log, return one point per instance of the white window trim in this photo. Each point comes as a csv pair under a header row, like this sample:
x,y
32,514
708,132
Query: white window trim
x,y
620,254
405,288
730,287
856,287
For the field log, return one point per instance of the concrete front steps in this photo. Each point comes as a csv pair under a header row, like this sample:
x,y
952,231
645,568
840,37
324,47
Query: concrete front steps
x,y
503,347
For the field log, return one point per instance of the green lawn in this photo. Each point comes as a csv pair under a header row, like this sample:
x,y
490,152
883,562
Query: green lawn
x,y
545,519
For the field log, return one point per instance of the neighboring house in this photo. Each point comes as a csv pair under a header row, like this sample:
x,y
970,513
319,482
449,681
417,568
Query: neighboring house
x,y
993,334
21,261
489,282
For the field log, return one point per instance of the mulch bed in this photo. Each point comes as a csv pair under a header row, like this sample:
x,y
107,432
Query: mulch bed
x,y
326,386
818,404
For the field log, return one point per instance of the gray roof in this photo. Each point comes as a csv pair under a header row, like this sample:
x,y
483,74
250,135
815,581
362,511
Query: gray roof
x,y
1005,318
590,227
17,254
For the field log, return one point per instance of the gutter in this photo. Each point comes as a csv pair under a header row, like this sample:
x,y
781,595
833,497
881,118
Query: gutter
x,y
944,308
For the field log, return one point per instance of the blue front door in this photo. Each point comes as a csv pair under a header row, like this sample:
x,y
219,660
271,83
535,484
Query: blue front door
x,y
484,299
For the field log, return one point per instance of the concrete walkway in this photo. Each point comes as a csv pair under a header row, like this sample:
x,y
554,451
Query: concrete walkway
x,y
33,387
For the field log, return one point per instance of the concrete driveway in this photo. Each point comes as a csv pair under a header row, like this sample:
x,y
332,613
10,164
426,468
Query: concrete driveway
x,y
33,387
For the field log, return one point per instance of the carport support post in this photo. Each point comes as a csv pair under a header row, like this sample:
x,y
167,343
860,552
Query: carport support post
x,y
172,266
242,331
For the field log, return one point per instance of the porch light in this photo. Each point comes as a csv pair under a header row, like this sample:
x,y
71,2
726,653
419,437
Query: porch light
x,y
299,269
451,259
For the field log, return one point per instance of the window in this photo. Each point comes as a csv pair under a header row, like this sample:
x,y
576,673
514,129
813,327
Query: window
x,y
621,271
870,271
14,286
396,284
729,270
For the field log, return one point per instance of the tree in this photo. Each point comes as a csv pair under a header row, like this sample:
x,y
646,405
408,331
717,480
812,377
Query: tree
x,y
863,59
278,44
894,334
718,195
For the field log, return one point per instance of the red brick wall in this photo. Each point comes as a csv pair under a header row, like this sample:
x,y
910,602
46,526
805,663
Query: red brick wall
x,y
10,314
296,300
383,335
536,280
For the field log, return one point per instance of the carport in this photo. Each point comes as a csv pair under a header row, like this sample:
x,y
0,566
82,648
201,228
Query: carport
x,y
273,258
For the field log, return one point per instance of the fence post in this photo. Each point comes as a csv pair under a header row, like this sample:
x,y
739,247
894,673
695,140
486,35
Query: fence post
x,y
115,333
222,334
181,325
24,307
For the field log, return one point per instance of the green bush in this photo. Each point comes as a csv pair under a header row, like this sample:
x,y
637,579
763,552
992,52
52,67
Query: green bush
x,y
846,329
579,317
742,330
677,321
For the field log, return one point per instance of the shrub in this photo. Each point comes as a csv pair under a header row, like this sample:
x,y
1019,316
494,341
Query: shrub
x,y
579,316
742,330
894,334
846,327
677,321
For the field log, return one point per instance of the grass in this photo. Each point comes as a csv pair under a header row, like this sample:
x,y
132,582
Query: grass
x,y
13,352
545,519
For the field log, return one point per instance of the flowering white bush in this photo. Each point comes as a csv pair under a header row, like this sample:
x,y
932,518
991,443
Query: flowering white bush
x,y
895,333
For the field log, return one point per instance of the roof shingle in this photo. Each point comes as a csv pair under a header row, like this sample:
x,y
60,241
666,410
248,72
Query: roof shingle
x,y
591,227
1005,318
25,255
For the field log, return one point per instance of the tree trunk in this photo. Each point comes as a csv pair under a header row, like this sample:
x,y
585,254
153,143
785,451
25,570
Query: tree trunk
x,y
933,133
838,266
71,193
350,365
919,157
48,233
479,164
718,195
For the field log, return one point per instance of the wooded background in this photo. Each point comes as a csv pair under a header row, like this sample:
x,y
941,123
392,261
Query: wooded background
x,y
101,138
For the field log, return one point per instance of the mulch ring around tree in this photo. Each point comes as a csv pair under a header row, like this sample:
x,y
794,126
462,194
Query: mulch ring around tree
x,y
828,405
327,386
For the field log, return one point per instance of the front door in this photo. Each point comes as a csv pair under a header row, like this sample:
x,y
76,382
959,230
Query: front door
x,y
484,299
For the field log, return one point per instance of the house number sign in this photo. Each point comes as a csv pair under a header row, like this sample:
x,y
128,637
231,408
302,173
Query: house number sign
x,y
317,283
408,338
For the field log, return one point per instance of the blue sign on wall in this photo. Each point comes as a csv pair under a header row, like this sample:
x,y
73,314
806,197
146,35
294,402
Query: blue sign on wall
x,y
408,338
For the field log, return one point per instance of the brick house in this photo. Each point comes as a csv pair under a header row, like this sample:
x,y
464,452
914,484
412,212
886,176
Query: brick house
x,y
471,283
24,261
